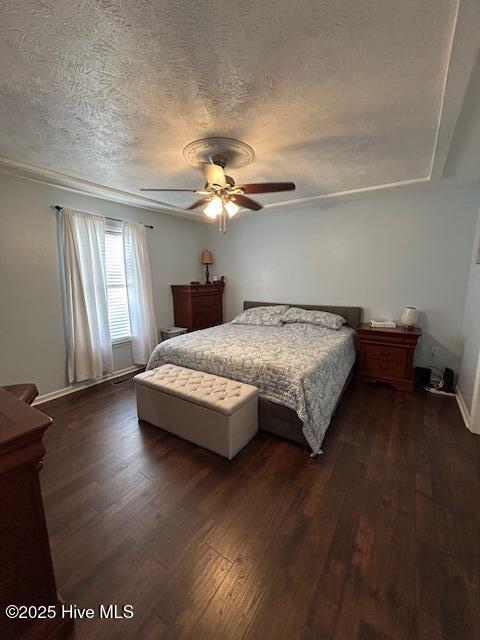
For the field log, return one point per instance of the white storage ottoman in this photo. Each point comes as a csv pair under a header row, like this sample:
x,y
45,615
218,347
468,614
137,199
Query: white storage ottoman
x,y
213,412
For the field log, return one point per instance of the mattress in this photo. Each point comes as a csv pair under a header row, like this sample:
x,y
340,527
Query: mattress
x,y
301,366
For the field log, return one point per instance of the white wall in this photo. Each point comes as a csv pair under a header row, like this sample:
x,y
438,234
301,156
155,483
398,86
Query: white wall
x,y
380,252
469,375
31,322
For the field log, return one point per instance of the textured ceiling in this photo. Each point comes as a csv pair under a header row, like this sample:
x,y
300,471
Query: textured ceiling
x,y
337,96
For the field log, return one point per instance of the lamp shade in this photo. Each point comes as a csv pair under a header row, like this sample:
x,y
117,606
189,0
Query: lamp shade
x,y
410,316
206,257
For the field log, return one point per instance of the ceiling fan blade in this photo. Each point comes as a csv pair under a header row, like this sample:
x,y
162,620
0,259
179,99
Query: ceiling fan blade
x,y
199,203
268,187
185,190
214,174
248,203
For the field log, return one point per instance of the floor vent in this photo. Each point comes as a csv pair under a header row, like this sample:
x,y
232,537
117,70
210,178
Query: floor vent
x,y
121,381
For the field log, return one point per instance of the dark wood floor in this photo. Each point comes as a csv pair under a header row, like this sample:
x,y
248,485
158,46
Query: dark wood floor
x,y
378,538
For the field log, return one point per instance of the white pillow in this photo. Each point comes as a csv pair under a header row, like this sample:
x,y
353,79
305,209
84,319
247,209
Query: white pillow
x,y
266,316
310,316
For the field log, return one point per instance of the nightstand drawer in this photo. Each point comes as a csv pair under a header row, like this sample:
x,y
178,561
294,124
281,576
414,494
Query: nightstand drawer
x,y
384,368
386,353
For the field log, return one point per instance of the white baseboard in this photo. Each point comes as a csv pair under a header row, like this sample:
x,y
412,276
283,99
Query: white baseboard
x,y
463,408
84,385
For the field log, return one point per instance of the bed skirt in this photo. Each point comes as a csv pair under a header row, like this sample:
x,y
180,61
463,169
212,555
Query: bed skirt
x,y
282,421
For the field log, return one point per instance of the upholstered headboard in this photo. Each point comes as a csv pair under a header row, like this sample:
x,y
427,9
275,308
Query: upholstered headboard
x,y
353,315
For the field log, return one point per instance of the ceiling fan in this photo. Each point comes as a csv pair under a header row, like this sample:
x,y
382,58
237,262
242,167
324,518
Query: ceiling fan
x,y
221,197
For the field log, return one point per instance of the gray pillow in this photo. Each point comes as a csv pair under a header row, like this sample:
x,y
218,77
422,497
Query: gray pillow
x,y
307,316
266,316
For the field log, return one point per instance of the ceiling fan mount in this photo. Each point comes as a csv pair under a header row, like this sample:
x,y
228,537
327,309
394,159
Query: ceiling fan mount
x,y
219,160
219,151
221,198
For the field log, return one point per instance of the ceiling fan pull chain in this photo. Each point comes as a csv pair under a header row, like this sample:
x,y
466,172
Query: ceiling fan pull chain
x,y
222,222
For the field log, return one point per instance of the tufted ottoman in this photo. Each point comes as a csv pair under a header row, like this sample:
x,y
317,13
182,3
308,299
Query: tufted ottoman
x,y
213,412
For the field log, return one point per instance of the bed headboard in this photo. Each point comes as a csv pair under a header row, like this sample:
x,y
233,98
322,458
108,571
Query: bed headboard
x,y
353,315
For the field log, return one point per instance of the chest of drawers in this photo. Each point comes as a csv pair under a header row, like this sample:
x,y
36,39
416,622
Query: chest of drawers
x,y
198,306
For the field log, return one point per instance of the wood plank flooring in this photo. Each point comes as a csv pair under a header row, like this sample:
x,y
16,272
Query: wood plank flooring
x,y
377,539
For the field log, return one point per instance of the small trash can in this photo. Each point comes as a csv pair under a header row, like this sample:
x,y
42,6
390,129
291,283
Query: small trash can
x,y
171,332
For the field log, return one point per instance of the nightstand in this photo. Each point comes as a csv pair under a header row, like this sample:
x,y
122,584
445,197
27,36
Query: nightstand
x,y
387,355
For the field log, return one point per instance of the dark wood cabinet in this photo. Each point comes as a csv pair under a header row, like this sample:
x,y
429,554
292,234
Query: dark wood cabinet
x,y
198,306
387,355
26,569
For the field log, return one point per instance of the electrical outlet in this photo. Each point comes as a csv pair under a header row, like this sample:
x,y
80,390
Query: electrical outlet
x,y
434,354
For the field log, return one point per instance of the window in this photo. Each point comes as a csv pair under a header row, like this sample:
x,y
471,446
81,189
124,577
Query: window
x,y
118,316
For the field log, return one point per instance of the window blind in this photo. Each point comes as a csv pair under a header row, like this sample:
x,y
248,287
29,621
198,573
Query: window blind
x,y
118,316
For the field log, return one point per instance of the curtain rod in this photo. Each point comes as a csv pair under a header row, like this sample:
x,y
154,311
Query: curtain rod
x,y
149,226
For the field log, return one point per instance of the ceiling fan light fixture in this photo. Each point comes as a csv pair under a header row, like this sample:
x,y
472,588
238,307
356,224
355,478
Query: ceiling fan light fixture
x,y
231,208
221,197
214,207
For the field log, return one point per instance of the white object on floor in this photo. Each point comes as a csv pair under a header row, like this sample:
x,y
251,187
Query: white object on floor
x,y
213,412
439,392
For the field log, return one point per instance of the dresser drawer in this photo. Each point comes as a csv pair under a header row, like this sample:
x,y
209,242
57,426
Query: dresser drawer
x,y
386,353
207,303
197,306
207,311
209,319
206,324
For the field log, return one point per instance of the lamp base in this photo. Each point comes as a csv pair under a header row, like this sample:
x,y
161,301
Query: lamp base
x,y
207,275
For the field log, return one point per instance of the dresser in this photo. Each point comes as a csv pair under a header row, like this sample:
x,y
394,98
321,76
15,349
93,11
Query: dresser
x,y
26,569
198,306
387,355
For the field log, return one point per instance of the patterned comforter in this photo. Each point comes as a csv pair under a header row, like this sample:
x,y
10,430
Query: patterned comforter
x,y
301,366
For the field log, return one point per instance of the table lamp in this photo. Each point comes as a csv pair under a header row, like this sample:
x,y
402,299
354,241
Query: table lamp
x,y
409,317
206,258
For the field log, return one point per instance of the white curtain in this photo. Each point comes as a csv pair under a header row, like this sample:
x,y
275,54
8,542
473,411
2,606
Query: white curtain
x,y
89,345
140,292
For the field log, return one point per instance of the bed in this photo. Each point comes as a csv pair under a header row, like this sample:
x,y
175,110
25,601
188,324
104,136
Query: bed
x,y
300,370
